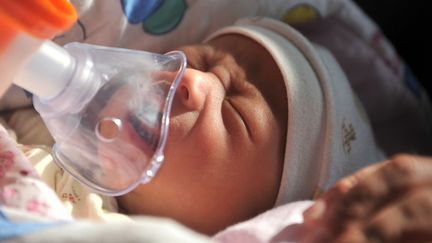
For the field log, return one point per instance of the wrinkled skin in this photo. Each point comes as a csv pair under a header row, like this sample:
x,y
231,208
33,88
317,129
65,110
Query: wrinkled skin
x,y
386,202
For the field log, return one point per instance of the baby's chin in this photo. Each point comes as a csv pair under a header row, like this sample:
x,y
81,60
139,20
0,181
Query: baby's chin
x,y
198,215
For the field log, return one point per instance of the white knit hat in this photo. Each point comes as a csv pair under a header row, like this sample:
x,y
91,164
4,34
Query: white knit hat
x,y
328,133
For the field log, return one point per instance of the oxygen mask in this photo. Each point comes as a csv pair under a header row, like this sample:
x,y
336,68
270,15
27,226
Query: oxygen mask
x,y
110,120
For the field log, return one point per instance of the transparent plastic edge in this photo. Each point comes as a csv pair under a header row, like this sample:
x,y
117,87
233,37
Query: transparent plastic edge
x,y
156,161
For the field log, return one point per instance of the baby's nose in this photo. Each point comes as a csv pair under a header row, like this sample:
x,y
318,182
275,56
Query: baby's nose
x,y
194,89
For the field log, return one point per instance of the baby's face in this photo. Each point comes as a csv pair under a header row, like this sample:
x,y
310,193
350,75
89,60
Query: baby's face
x,y
225,149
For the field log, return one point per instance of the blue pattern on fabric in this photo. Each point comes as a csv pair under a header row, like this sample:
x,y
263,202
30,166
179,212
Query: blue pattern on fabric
x,y
10,229
166,18
157,17
137,11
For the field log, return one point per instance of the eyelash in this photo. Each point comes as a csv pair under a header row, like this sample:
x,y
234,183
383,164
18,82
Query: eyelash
x,y
230,102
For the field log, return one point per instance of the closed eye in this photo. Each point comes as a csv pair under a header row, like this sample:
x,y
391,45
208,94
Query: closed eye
x,y
239,114
147,134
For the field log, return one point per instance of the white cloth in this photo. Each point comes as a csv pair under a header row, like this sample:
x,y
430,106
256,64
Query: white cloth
x,y
280,224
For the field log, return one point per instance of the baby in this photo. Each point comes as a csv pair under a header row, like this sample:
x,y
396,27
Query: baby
x,y
262,117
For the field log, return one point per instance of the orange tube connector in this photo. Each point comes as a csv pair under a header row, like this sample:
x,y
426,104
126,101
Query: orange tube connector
x,y
24,26
42,19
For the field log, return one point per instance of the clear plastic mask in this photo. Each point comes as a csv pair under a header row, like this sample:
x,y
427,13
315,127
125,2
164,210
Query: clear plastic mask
x,y
111,122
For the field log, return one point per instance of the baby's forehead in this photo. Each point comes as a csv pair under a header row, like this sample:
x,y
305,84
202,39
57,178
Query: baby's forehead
x,y
256,66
